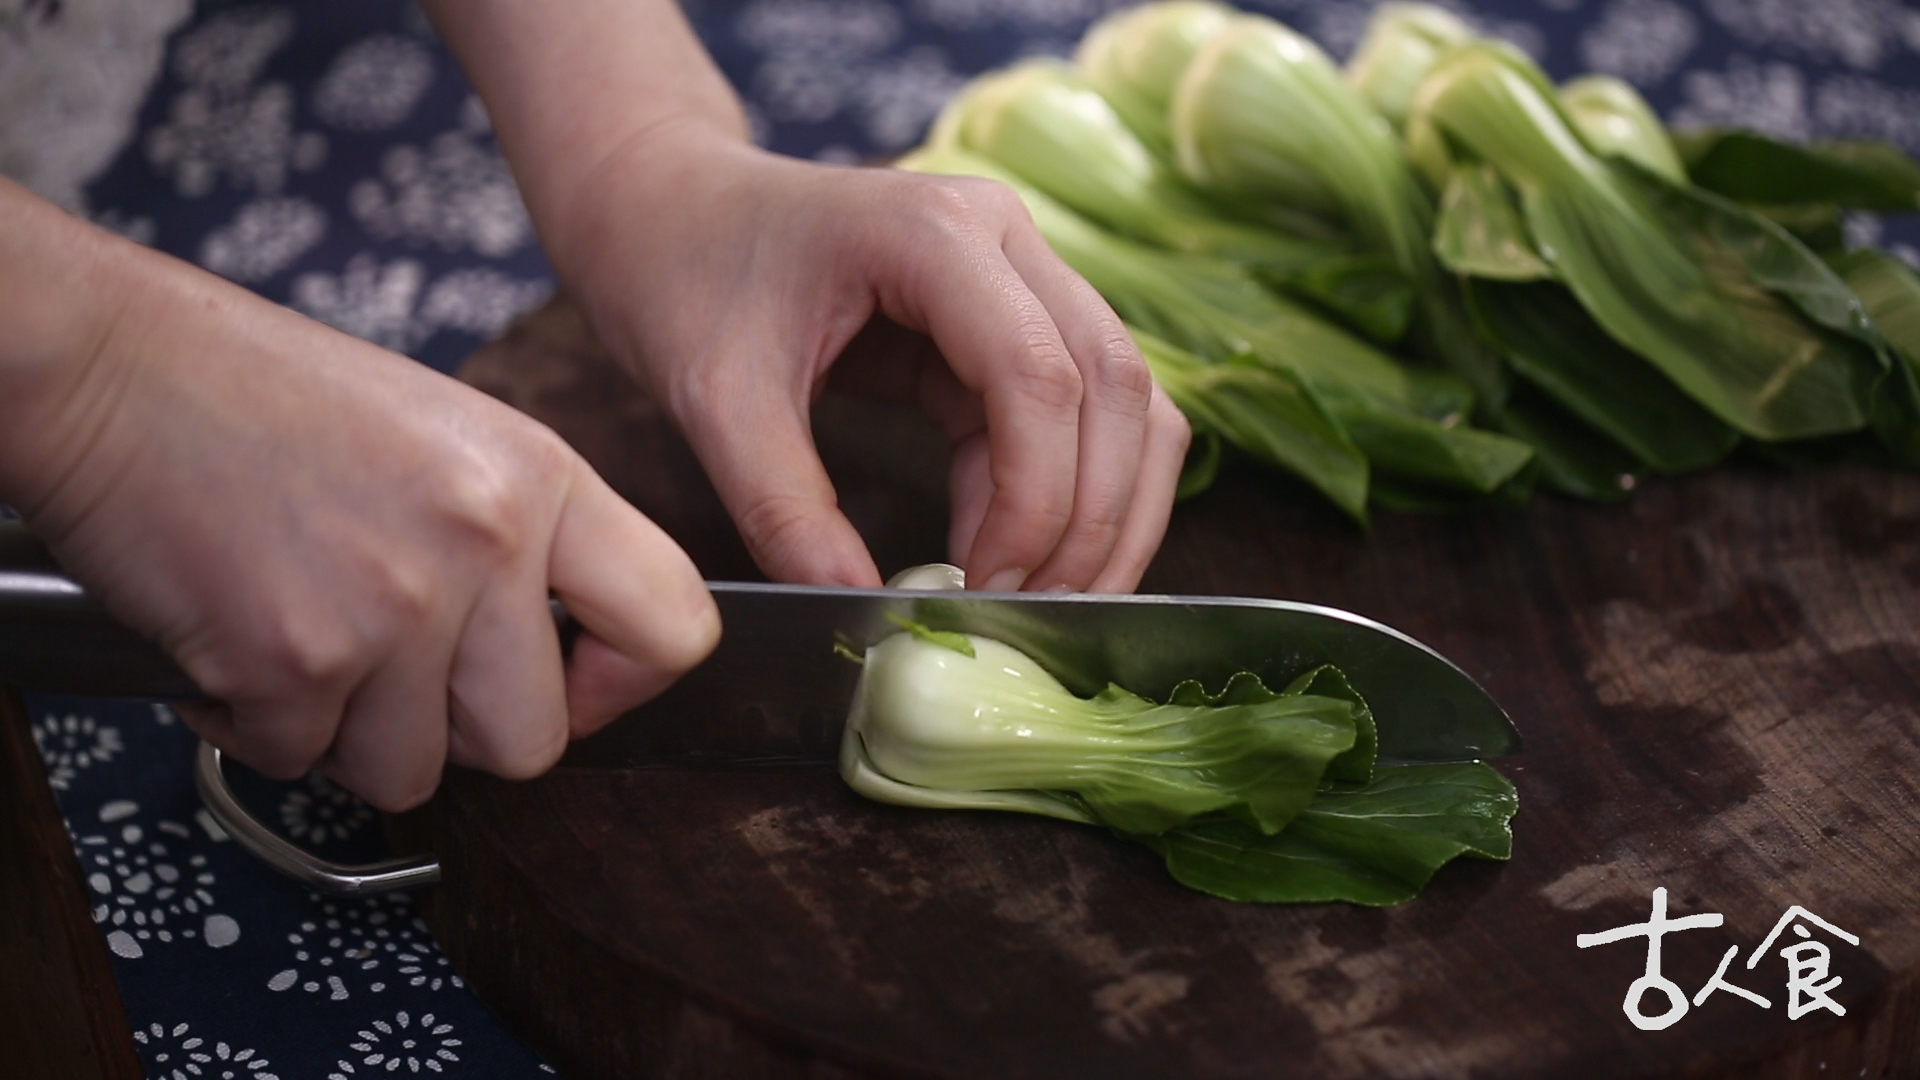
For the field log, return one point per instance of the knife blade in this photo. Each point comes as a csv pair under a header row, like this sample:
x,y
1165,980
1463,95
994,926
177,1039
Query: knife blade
x,y
774,694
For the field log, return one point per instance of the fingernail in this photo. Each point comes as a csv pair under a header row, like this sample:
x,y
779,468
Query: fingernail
x,y
1058,590
1008,580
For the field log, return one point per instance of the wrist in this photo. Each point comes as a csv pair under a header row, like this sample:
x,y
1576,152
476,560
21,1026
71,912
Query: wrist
x,y
63,286
640,191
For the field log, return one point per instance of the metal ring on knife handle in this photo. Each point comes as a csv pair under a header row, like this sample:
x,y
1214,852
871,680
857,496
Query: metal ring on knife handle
x,y
318,874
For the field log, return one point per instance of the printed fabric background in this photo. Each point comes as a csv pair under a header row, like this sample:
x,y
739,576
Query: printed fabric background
x,y
332,157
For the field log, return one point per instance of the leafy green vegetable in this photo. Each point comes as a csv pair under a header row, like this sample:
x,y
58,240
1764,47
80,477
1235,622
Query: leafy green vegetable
x,y
1042,122
1266,413
1714,296
1365,292
1248,794
1134,57
996,731
1552,342
1890,291
1458,457
1481,232
1752,168
1325,150
1615,120
1402,43
1592,300
1202,465
1377,845
1573,458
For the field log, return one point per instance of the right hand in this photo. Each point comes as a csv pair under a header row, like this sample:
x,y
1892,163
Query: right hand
x,y
350,552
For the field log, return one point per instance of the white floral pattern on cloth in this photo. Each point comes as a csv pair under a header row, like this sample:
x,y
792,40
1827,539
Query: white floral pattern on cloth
x,y
1861,33
390,304
374,83
178,1054
824,57
150,886
1642,41
317,811
71,743
226,124
367,947
386,1046
455,192
264,238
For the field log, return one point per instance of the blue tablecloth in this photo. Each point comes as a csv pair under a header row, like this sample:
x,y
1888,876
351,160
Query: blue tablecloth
x,y
332,157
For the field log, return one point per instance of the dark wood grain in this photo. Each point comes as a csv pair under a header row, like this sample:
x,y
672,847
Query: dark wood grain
x,y
60,1014
1717,683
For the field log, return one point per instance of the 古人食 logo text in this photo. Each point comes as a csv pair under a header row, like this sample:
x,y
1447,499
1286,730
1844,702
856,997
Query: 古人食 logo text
x,y
1807,957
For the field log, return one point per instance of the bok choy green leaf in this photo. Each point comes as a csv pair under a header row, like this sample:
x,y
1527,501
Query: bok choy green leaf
x,y
1266,414
1375,845
1753,168
1726,304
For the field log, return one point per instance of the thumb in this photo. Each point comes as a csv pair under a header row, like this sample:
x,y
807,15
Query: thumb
x,y
758,451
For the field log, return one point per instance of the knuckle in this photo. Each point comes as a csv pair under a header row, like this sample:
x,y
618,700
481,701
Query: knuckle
x,y
1122,374
1097,520
406,595
995,200
314,652
487,510
960,208
1048,508
771,523
1042,372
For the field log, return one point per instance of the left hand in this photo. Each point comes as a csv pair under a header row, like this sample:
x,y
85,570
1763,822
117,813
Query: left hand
x,y
731,282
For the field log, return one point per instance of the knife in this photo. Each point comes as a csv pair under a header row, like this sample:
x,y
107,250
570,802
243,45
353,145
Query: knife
x,y
773,693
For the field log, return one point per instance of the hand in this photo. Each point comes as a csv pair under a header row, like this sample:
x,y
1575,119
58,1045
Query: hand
x,y
349,551
730,281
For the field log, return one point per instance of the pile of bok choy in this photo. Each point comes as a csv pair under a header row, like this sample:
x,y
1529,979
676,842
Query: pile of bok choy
x,y
1247,794
1436,276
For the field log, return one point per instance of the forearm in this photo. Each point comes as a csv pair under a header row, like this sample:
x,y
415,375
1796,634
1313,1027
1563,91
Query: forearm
x,y
62,285
574,87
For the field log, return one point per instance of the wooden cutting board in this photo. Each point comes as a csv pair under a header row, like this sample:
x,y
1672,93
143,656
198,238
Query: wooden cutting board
x,y
1717,682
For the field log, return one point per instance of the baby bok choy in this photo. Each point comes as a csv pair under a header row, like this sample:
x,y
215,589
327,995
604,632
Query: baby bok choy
x,y
1726,305
1248,794
1044,123
1134,57
1261,111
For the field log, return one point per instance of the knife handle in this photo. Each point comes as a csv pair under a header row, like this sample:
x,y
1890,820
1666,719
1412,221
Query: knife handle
x,y
55,638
